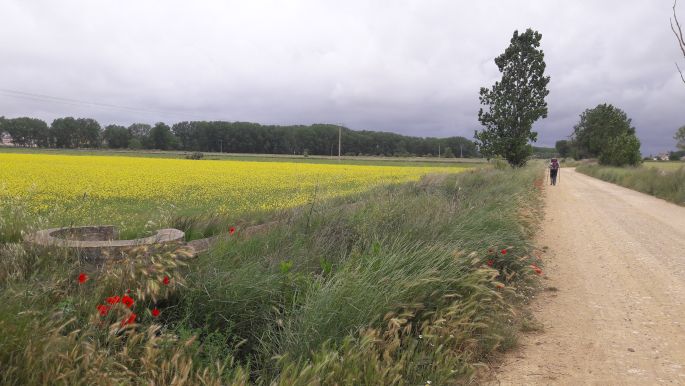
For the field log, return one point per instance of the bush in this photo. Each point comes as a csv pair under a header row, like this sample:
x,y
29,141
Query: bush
x,y
196,155
622,150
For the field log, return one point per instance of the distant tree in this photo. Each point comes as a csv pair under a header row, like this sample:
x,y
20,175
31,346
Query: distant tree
x,y
448,153
161,137
622,150
26,131
678,32
88,133
141,132
75,133
515,102
676,155
597,126
63,132
116,137
680,137
134,144
563,148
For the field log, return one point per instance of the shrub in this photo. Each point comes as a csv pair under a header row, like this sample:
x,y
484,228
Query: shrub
x,y
622,150
195,155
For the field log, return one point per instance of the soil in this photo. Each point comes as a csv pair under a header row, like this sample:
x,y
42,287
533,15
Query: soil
x,y
613,298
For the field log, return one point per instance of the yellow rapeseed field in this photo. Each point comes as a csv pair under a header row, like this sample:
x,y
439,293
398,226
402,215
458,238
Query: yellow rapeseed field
x,y
98,187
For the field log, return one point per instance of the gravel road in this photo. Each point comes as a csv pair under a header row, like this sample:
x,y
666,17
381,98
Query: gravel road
x,y
617,261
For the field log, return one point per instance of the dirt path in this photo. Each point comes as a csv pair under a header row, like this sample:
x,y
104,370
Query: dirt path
x,y
617,258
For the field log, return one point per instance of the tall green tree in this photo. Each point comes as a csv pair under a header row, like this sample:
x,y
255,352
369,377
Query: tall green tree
x,y
116,137
515,102
622,150
563,148
26,131
161,137
597,126
606,132
680,138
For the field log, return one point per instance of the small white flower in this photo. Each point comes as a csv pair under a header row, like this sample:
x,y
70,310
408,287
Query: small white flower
x,y
420,336
428,382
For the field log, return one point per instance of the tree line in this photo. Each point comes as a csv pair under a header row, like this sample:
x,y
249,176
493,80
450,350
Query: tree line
x,y
228,137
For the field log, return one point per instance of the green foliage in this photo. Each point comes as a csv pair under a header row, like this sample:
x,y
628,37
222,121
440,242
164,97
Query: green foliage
x,y
563,147
676,155
75,133
116,137
597,127
161,137
135,144
666,184
622,150
515,102
680,138
26,131
230,137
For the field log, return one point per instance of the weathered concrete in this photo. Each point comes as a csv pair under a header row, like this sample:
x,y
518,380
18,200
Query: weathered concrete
x,y
99,242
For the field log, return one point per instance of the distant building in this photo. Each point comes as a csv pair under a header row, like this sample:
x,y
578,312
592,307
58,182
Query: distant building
x,y
6,139
662,157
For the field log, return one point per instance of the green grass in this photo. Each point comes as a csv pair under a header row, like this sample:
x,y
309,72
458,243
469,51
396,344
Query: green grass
x,y
665,180
664,165
392,290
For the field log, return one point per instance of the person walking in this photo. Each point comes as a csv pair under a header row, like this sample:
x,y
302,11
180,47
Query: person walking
x,y
553,171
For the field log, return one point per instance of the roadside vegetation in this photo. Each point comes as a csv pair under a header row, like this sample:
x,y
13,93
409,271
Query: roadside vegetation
x,y
413,284
664,180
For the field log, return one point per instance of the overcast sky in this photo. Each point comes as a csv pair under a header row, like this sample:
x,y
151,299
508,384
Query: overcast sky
x,y
411,67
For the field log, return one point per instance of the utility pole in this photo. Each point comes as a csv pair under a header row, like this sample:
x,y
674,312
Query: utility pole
x,y
461,151
438,150
339,141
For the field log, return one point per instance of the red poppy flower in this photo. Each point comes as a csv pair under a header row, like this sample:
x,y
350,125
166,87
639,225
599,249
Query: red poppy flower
x,y
82,278
103,309
155,312
130,320
536,269
231,231
490,263
113,299
504,251
127,301
499,285
166,280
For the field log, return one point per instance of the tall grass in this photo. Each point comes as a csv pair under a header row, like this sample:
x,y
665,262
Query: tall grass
x,y
666,184
394,289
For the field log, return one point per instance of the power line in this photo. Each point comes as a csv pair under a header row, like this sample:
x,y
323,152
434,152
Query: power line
x,y
77,102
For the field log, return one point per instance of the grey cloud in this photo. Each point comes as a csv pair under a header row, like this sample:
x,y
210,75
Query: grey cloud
x,y
413,67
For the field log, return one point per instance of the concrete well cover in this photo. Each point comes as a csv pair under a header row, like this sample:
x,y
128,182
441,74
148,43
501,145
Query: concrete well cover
x,y
99,241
